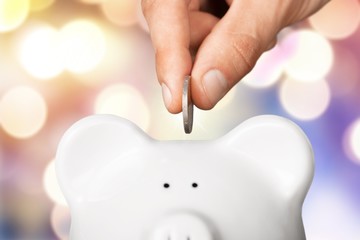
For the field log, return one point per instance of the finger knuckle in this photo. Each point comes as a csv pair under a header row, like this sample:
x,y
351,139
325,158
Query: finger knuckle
x,y
246,50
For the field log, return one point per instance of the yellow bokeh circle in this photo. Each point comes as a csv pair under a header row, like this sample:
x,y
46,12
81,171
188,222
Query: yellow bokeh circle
x,y
125,101
51,185
23,112
83,45
12,14
40,52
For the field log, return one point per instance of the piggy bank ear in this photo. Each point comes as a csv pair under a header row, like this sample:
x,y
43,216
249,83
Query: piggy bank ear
x,y
90,145
280,150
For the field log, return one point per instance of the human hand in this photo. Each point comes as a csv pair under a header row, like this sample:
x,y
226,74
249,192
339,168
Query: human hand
x,y
226,48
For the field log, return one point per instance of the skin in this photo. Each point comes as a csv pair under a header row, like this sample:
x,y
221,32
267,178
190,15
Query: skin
x,y
193,37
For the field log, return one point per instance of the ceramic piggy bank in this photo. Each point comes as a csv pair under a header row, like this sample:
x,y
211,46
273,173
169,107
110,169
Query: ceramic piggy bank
x,y
122,185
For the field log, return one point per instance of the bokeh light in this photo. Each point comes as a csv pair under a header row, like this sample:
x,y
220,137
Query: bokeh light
x,y
60,221
120,12
267,70
39,5
352,141
51,185
83,44
39,52
9,69
118,58
355,139
23,112
12,14
345,77
305,100
338,19
125,101
313,56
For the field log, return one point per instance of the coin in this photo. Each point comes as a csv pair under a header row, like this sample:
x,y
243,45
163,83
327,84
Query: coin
x,y
187,106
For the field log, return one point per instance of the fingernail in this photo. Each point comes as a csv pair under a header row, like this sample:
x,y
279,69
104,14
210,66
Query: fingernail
x,y
215,85
166,95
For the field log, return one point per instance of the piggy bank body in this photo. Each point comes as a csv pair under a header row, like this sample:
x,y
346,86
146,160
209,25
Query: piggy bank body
x,y
121,184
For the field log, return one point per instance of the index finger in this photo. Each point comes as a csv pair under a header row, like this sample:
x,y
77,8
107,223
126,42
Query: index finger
x,y
170,33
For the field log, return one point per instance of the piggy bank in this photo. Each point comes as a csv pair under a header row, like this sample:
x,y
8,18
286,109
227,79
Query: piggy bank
x,y
247,185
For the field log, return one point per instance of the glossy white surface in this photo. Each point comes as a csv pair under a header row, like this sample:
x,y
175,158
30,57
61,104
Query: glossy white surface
x,y
251,183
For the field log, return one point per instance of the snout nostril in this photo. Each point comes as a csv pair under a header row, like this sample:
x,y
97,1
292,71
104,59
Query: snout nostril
x,y
188,238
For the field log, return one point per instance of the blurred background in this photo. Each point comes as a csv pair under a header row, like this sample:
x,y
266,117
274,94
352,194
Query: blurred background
x,y
61,60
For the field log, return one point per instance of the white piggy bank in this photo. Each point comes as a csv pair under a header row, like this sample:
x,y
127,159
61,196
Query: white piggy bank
x,y
122,185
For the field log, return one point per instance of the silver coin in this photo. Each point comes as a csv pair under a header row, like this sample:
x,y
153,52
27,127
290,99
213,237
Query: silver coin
x,y
187,106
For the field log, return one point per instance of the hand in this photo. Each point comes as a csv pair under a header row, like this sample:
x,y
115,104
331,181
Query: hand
x,y
226,47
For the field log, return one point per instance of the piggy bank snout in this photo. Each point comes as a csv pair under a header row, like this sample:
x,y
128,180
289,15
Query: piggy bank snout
x,y
182,226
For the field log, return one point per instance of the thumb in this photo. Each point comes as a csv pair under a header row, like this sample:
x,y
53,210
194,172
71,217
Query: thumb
x,y
229,52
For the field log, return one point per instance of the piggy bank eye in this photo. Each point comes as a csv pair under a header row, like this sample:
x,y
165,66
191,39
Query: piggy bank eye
x,y
194,185
166,185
